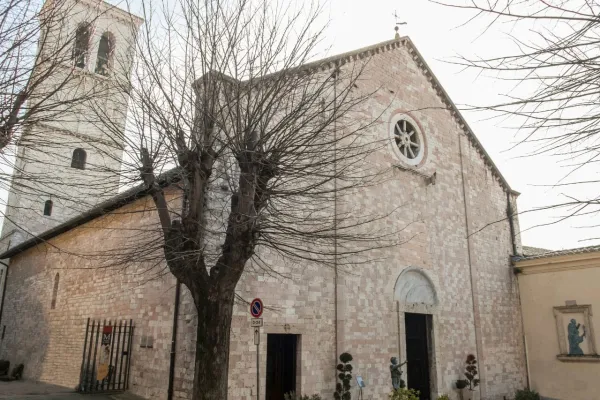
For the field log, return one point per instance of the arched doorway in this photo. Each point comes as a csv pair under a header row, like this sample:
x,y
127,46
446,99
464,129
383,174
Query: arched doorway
x,y
417,303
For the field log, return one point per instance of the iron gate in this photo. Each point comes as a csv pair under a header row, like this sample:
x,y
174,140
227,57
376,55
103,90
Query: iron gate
x,y
106,356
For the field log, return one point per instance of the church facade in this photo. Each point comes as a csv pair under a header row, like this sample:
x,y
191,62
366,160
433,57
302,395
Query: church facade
x,y
447,292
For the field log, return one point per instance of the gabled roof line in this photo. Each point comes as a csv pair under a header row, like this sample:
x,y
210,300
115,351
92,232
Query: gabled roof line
x,y
344,58
558,253
339,60
462,123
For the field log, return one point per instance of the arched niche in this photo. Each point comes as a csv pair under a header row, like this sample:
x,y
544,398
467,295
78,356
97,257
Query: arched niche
x,y
414,291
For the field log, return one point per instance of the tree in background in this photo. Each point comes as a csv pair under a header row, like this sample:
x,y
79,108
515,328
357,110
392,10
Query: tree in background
x,y
552,89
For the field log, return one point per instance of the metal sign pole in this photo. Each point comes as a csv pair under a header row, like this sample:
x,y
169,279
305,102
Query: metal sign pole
x,y
257,342
257,365
256,310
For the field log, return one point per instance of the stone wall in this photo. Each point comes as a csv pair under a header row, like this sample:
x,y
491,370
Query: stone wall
x,y
50,341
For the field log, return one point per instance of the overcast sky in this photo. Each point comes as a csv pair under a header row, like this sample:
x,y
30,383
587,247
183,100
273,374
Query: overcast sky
x,y
439,36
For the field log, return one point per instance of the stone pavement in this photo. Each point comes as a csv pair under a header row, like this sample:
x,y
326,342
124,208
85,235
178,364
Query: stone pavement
x,y
29,390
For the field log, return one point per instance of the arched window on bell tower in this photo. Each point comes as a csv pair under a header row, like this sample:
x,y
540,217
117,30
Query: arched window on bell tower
x,y
105,53
81,45
55,291
78,159
48,207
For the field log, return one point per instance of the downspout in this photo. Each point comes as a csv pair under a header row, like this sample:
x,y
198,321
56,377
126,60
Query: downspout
x,y
3,297
335,243
511,222
478,344
174,341
510,215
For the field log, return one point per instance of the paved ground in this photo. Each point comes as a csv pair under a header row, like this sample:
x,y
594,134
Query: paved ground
x,y
28,390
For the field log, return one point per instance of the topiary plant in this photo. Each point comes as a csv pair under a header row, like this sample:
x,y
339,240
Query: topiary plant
x,y
342,388
527,394
471,372
404,394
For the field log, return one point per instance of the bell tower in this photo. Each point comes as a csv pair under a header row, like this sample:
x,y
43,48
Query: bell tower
x,y
69,161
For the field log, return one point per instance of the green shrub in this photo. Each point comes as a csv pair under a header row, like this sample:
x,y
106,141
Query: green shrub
x,y
294,396
404,394
527,394
443,397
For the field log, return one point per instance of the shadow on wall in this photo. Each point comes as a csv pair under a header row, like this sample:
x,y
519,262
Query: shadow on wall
x,y
24,331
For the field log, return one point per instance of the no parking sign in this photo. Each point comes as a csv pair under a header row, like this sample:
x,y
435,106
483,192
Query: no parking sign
x,y
256,308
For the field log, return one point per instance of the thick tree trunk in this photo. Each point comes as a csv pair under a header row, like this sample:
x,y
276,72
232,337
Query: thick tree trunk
x,y
212,346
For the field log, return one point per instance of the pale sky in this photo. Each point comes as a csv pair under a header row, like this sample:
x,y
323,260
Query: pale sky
x,y
436,32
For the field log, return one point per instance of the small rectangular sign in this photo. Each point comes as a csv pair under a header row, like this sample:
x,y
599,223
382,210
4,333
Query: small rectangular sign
x,y
256,336
360,381
256,322
104,358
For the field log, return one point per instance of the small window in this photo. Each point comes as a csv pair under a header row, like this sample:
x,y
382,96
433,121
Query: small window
x,y
48,207
81,45
55,291
105,52
79,158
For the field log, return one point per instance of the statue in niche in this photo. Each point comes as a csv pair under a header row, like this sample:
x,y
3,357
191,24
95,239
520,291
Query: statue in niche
x,y
395,370
574,338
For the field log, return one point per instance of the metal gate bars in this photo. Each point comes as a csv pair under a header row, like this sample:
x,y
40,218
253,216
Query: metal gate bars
x,y
106,356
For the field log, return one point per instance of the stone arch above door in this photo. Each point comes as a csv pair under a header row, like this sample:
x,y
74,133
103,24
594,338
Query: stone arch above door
x,y
415,292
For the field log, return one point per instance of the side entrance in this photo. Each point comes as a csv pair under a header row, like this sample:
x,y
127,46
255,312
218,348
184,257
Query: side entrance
x,y
282,365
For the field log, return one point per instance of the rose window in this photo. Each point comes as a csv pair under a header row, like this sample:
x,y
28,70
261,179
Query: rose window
x,y
407,140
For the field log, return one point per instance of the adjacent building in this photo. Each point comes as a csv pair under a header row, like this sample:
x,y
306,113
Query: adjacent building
x,y
558,295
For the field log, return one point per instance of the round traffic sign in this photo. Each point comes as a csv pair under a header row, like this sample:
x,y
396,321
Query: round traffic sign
x,y
256,308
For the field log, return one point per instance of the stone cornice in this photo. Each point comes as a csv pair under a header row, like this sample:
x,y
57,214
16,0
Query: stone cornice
x,y
114,11
107,8
83,137
565,262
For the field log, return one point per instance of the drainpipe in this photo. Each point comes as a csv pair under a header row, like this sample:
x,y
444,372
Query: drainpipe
x,y
174,341
510,214
335,244
511,222
3,293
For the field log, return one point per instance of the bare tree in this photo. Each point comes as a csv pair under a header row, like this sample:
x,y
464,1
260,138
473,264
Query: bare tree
x,y
263,147
553,70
